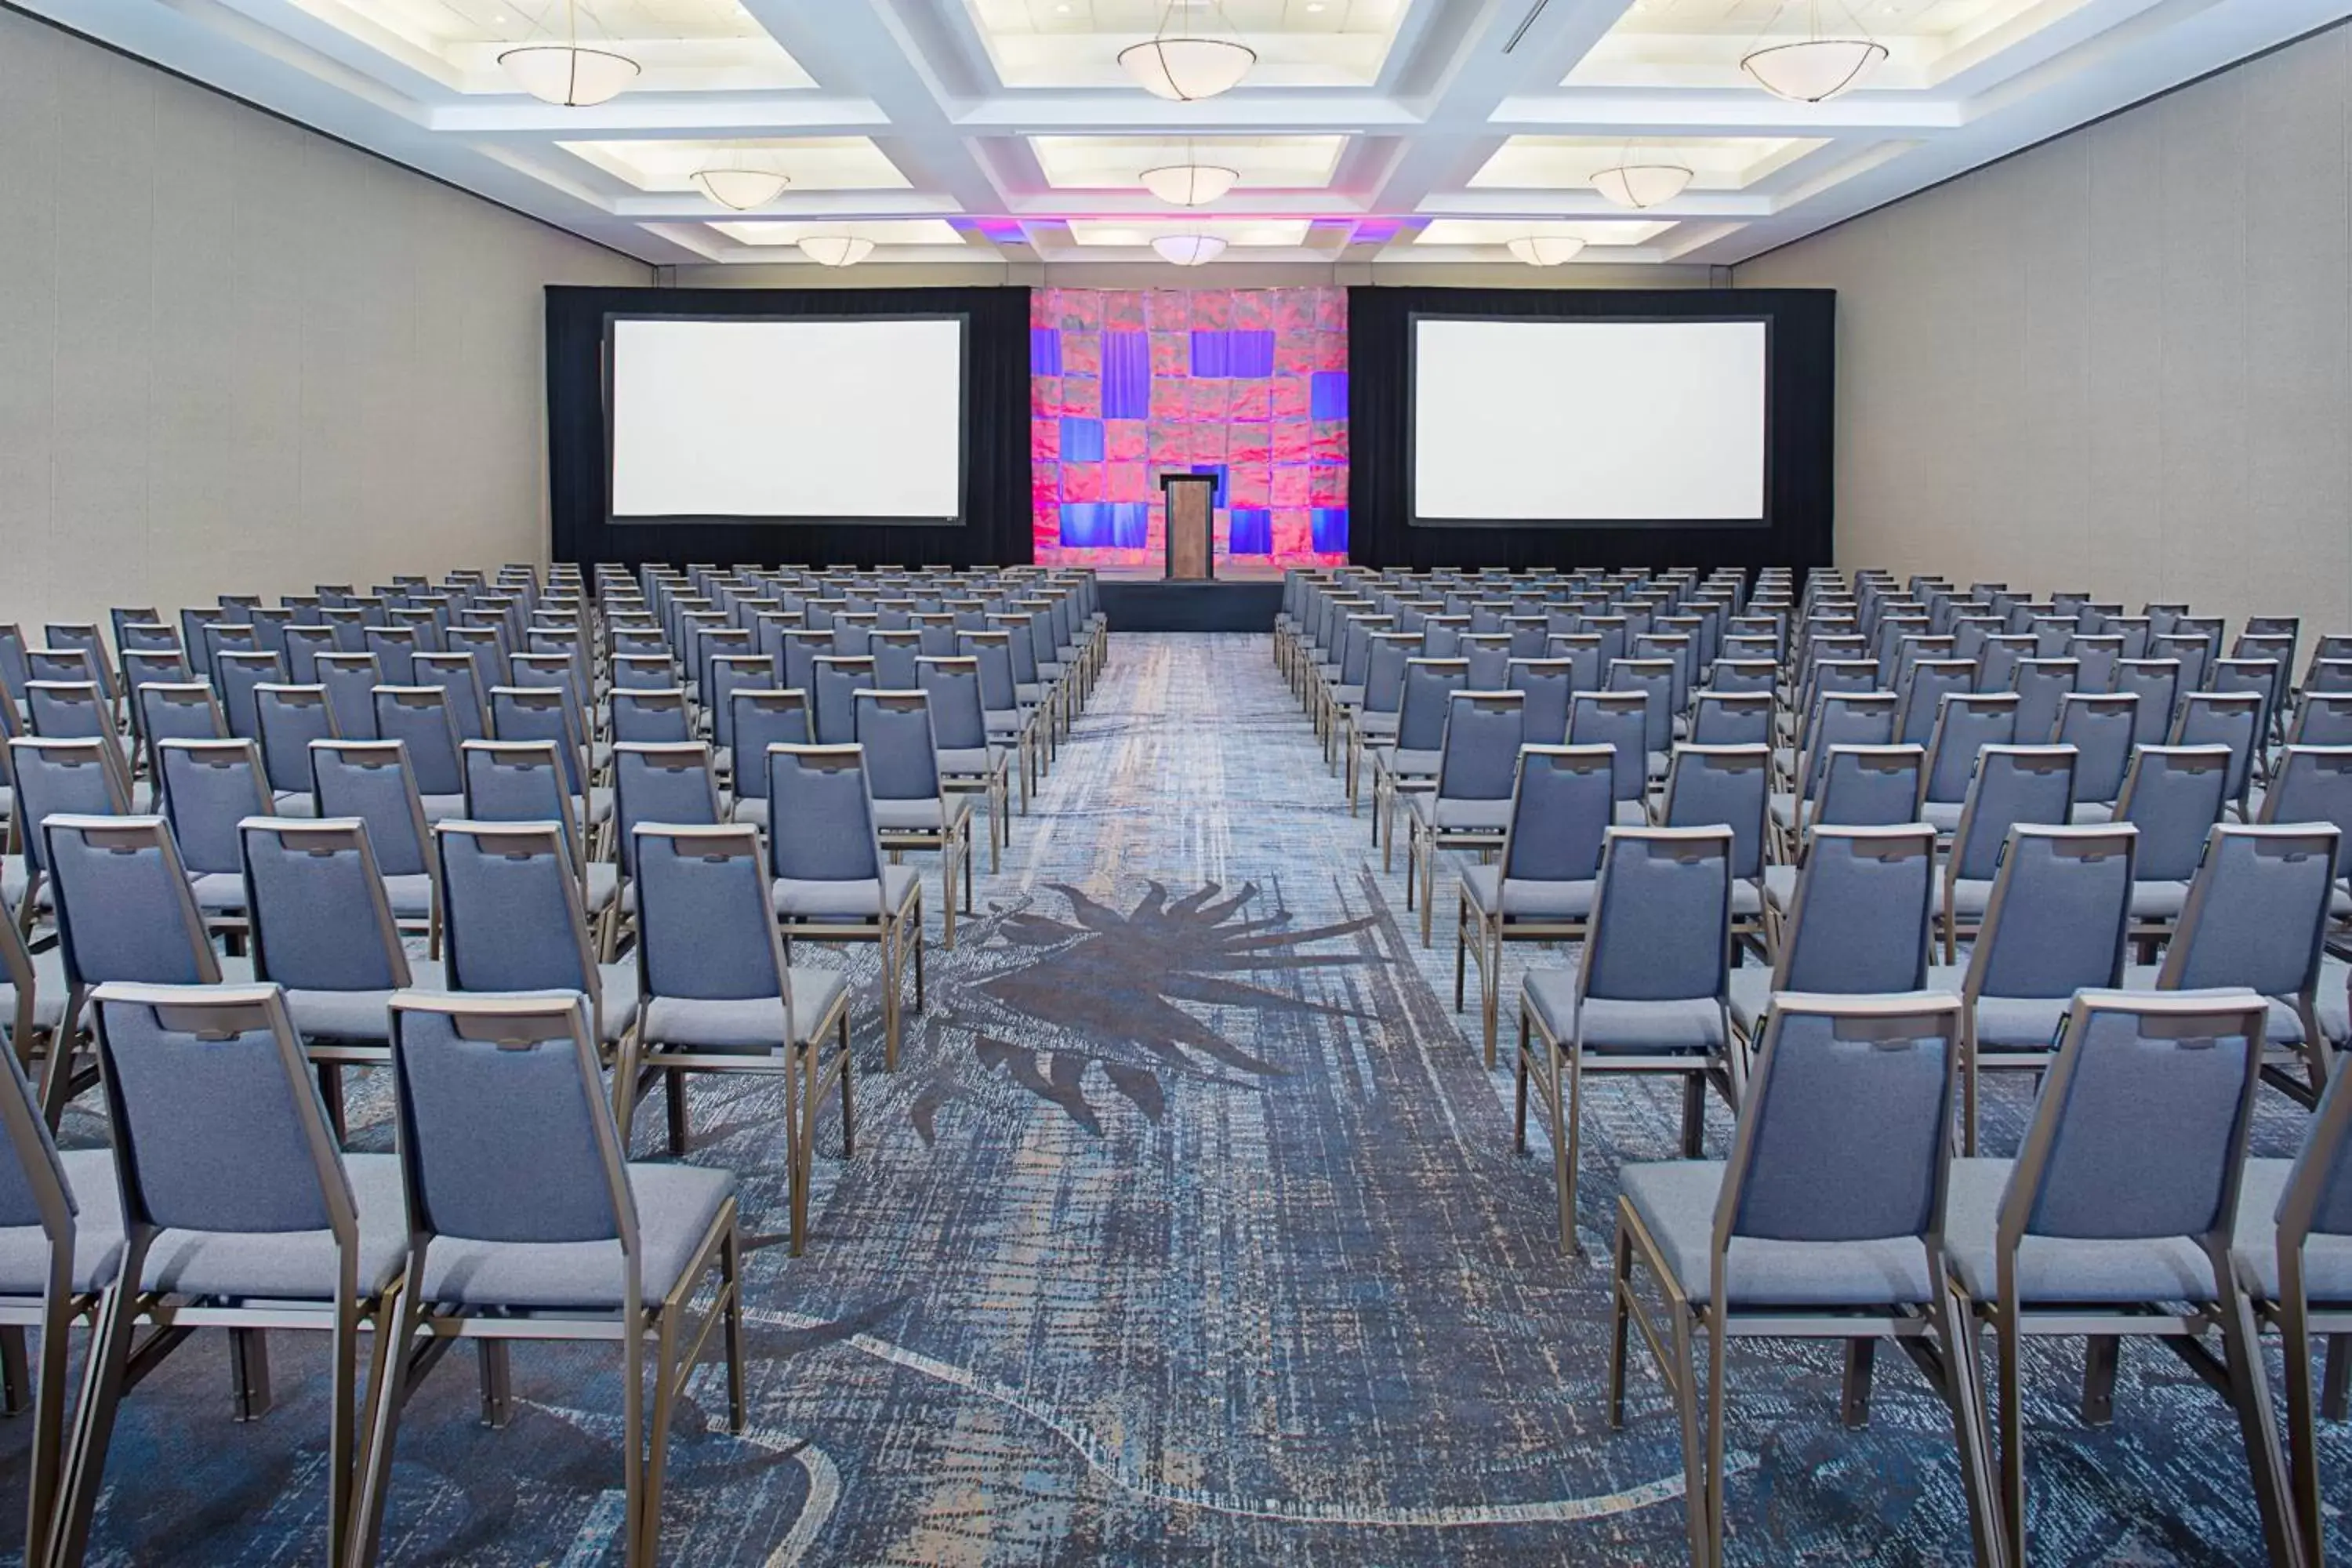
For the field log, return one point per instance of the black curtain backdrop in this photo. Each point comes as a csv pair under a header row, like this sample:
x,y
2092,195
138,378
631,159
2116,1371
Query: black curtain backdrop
x,y
996,529
1799,405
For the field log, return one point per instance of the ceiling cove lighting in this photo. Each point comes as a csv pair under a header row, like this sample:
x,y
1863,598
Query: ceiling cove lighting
x,y
1189,250
1190,184
1186,66
565,74
1814,68
1637,184
742,189
1545,249
836,249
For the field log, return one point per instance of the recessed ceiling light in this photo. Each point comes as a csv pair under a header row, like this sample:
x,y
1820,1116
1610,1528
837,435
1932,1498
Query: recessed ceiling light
x,y
1314,7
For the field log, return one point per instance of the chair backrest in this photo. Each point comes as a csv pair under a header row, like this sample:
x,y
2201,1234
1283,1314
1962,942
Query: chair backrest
x,y
2042,685
207,788
193,1074
522,781
1930,682
419,718
1868,786
1727,785
371,780
1655,678
351,680
461,687
316,899
2312,783
2059,912
2131,1064
33,1187
2013,784
821,816
727,674
764,719
2319,1194
2157,683
706,931
836,681
1618,721
1561,807
124,911
2322,719
68,709
71,777
894,730
1731,717
1970,721
2256,914
651,716
958,722
2100,728
1479,757
1863,911
183,710
2174,795
504,1132
670,782
511,912
289,717
1429,684
395,651
1845,1132
1661,925
1843,719
1546,685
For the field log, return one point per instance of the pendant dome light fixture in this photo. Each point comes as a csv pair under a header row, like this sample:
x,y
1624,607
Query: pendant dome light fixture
x,y
1545,249
1180,64
1189,250
741,187
565,74
1188,184
1637,185
1817,67
836,249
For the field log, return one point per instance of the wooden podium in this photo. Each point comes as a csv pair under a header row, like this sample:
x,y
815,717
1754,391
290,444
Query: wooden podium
x,y
1192,526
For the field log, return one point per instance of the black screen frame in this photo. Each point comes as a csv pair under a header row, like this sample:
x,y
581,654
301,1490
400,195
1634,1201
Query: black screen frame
x,y
611,370
1413,518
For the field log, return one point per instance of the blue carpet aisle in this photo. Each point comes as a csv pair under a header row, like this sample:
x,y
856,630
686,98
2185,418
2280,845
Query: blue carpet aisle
x,y
1190,1230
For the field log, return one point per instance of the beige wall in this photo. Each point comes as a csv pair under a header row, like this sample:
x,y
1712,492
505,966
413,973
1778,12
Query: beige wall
x,y
234,355
2121,362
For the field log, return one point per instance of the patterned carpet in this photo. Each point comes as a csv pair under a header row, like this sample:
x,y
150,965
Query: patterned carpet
x,y
1189,1231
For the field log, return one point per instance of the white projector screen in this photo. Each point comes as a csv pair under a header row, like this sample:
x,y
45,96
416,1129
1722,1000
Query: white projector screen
x,y
1536,421
858,419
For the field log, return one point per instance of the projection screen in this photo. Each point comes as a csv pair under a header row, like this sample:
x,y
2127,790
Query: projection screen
x,y
830,419
1530,422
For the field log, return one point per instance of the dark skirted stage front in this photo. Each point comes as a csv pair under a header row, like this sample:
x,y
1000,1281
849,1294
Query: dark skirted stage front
x,y
1143,605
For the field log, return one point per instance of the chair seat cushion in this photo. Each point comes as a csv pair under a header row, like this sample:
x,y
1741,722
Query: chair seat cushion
x,y
98,1230
218,892
1450,814
1943,816
1347,696
600,804
2054,1269
751,810
1397,762
2327,1259
360,1017
675,1206
1969,898
750,1025
847,900
293,803
971,762
1676,1202
1611,1024
938,814
2006,1023
292,1266
2284,1024
410,896
1751,996
602,887
1524,898
2092,813
1783,809
443,808
2159,901
1781,887
48,991
1376,726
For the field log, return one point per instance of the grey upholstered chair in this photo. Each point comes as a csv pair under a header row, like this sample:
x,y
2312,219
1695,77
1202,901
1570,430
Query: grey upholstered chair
x,y
1651,995
717,996
526,1220
830,881
1826,1222
1540,885
1478,769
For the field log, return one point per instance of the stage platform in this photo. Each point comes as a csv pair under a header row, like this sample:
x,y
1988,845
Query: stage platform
x,y
1149,605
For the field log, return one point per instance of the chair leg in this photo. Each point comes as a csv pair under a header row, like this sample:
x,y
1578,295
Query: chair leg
x,y
625,1070
343,1418
914,940
1520,1090
673,1091
1963,1392
388,1385
103,1375
849,1076
731,1280
1968,1084
248,1361
2301,1429
800,1137
1719,1344
1694,1115
1696,1489
1854,1403
2336,1396
1461,959
633,1436
1566,1138
2250,1395
1428,883
665,1371
2011,1417
1621,1295
15,1371
47,1459
2100,1361
495,1371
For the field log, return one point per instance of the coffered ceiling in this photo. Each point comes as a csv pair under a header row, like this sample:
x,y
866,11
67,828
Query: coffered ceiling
x,y
1373,131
